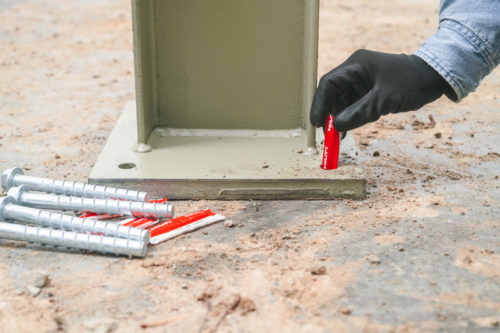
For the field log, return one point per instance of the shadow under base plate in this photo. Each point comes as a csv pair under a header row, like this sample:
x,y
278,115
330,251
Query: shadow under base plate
x,y
226,165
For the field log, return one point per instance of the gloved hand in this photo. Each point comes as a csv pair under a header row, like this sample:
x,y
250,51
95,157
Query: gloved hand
x,y
371,84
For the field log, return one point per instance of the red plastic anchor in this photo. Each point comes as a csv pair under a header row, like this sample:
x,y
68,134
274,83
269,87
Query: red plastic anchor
x,y
331,146
178,222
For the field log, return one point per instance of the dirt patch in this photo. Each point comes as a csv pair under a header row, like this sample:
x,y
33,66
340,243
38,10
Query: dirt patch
x,y
387,239
480,261
400,260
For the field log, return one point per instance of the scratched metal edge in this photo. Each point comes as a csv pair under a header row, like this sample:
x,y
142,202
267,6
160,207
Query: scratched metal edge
x,y
226,189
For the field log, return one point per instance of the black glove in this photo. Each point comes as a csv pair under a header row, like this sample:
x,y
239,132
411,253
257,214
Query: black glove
x,y
371,84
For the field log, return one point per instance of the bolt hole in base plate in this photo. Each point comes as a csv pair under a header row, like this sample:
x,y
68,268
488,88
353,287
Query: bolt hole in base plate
x,y
126,165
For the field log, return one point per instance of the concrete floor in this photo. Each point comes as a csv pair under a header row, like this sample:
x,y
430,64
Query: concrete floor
x,y
421,253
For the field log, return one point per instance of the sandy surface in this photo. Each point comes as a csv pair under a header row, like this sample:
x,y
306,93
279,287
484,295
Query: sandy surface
x,y
421,253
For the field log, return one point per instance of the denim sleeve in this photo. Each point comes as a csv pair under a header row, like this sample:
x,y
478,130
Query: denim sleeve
x,y
466,46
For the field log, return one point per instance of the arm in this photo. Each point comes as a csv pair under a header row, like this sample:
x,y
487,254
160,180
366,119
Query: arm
x,y
466,46
453,61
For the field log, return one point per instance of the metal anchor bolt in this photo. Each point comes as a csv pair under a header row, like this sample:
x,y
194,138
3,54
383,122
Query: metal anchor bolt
x,y
10,211
109,206
15,177
104,244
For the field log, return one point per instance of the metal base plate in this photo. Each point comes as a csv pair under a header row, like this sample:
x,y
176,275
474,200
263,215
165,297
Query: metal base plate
x,y
227,165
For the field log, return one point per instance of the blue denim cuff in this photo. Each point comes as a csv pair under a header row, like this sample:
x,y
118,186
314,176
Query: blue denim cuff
x,y
459,56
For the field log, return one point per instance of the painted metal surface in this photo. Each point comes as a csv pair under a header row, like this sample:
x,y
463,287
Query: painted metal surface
x,y
226,167
224,64
144,69
223,91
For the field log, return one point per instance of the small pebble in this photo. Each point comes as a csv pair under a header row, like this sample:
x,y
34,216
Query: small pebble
x,y
229,224
345,311
318,270
33,291
373,259
40,280
99,325
184,285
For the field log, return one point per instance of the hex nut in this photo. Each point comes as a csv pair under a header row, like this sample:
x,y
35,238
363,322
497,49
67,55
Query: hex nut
x,y
16,192
3,202
8,176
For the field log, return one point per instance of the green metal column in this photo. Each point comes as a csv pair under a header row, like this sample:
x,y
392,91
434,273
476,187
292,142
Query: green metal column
x,y
223,91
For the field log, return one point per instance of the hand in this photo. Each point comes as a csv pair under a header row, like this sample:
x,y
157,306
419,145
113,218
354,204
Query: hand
x,y
371,84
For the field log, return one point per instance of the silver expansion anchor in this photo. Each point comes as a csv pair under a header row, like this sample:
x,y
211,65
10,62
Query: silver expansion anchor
x,y
104,244
10,211
109,206
15,177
